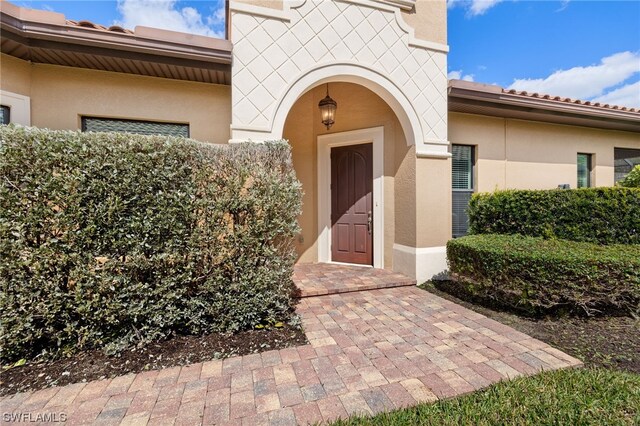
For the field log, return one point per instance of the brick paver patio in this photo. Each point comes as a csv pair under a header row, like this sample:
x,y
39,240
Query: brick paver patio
x,y
319,279
368,352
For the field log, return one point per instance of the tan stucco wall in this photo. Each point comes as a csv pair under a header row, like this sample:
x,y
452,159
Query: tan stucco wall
x,y
15,75
433,202
358,108
405,198
429,20
519,154
61,95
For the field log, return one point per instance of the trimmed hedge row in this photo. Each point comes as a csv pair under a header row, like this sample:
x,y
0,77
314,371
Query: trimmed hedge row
x,y
598,215
110,240
540,276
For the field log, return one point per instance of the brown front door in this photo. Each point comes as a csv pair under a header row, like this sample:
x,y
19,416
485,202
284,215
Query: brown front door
x,y
352,204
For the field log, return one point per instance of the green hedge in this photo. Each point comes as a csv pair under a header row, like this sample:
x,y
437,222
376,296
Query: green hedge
x,y
632,180
541,275
109,240
598,215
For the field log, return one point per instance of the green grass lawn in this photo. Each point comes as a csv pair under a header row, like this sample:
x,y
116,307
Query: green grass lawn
x,y
588,396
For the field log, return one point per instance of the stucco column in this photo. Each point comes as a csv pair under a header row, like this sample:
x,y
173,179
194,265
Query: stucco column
x,y
423,216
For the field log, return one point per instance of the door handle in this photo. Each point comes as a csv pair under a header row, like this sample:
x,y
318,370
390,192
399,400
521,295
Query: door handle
x,y
369,222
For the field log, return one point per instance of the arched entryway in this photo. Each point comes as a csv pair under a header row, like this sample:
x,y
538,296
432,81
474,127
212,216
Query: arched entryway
x,y
273,94
358,75
364,121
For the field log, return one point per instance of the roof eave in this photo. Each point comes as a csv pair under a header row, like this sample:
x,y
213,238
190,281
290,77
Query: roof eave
x,y
525,107
213,54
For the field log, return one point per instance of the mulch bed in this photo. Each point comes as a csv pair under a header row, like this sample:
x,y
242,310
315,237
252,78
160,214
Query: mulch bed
x,y
610,342
182,350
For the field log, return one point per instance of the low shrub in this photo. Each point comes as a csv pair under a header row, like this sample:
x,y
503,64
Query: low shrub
x,y
110,240
544,276
632,180
598,215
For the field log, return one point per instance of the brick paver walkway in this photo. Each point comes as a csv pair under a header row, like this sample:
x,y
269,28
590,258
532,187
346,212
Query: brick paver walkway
x,y
319,279
368,352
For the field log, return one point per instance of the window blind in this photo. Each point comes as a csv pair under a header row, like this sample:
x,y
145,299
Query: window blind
x,y
625,159
91,124
462,187
462,166
460,218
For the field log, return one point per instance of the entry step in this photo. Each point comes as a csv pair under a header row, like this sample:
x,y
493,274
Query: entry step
x,y
319,279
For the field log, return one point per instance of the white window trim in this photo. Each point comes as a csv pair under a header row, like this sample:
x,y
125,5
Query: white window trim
x,y
20,106
373,135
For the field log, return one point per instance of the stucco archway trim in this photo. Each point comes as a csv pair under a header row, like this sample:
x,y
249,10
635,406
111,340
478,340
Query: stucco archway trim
x,y
350,73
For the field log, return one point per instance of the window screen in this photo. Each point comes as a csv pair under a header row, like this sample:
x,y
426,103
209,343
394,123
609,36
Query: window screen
x,y
5,114
625,159
462,186
584,170
90,124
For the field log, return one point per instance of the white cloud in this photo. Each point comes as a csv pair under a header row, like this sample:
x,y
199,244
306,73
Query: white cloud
x,y
479,7
458,75
627,95
585,82
218,17
563,5
167,15
474,7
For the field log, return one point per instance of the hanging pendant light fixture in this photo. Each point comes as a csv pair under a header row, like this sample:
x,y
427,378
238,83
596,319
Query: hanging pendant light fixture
x,y
328,110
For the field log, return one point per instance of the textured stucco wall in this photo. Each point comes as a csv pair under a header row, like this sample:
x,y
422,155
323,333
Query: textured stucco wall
x,y
276,60
429,20
520,154
61,95
433,202
15,75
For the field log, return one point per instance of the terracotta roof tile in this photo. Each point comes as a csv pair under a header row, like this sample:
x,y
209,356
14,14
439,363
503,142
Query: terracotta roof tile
x,y
94,26
119,29
569,100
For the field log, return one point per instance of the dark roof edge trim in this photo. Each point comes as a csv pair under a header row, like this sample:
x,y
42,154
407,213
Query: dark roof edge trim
x,y
462,90
201,49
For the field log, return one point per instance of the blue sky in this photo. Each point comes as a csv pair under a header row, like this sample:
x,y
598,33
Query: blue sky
x,y
576,48
199,17
580,49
